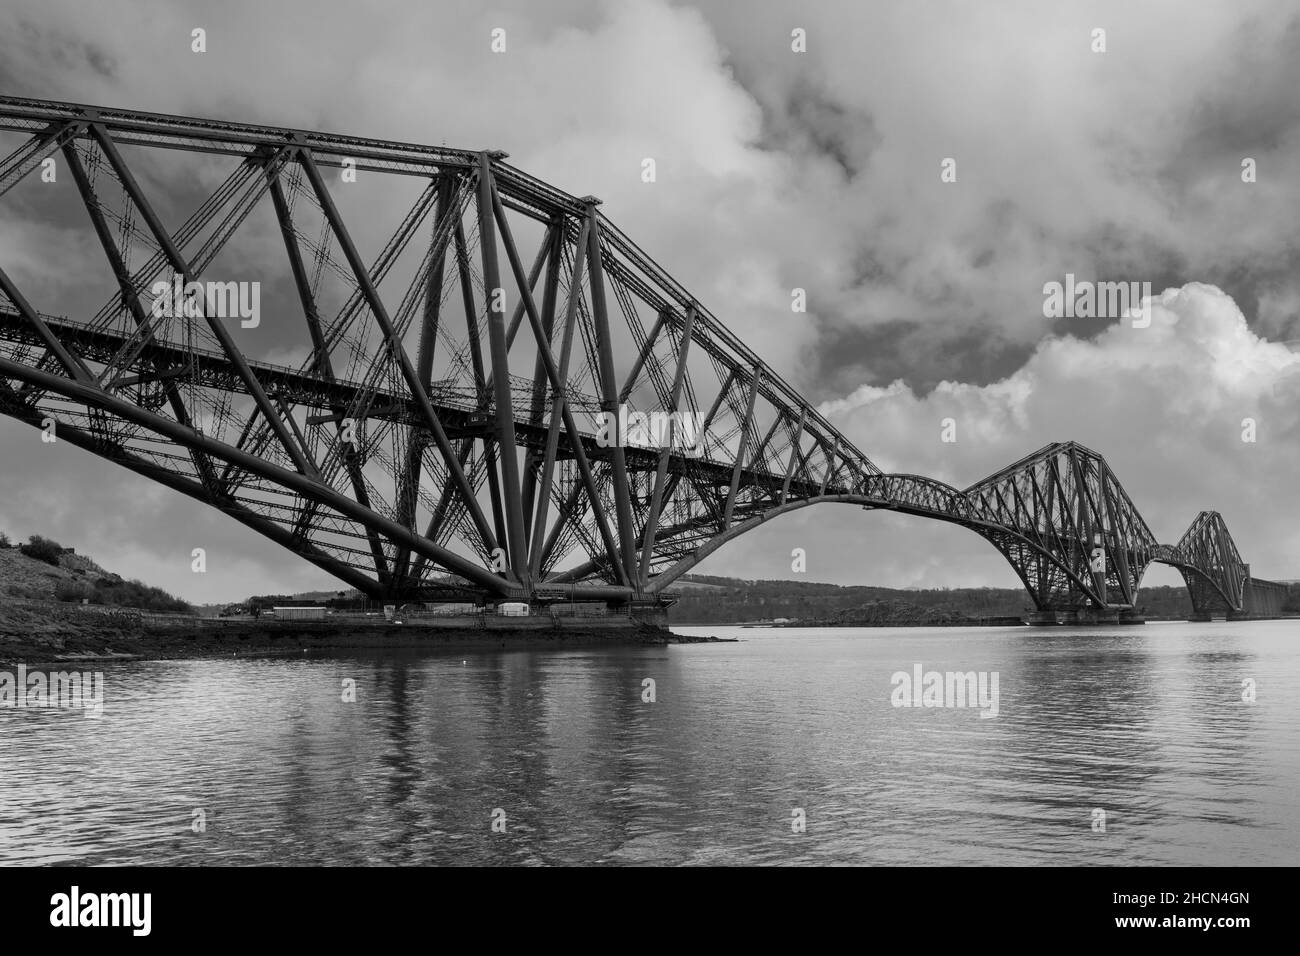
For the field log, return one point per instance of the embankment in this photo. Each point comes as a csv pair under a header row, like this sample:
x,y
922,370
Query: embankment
x,y
36,632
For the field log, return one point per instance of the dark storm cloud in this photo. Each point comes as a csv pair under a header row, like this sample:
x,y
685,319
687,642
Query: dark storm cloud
x,y
1254,107
811,121
920,352
1069,161
55,47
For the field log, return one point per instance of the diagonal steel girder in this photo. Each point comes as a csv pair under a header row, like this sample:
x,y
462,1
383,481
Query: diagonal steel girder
x,y
311,488
186,270
394,342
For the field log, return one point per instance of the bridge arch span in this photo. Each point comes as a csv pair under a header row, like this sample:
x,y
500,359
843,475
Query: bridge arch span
x,y
958,515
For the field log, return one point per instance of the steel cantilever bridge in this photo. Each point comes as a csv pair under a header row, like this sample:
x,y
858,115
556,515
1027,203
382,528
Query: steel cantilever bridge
x,y
438,432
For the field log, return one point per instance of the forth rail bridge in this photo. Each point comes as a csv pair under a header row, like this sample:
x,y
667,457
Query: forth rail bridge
x,y
439,439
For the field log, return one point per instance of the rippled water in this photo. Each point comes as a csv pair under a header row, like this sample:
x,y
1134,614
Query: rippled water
x,y
1146,723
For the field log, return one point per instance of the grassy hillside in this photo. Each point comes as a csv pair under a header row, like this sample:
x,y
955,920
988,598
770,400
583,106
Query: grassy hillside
x,y
45,574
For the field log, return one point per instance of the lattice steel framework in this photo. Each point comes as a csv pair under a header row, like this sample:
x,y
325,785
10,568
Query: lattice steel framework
x,y
441,428
1211,565
1076,539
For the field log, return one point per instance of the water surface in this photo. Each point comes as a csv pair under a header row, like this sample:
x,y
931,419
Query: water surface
x,y
1146,723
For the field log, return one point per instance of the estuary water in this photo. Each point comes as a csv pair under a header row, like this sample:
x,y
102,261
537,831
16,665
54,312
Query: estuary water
x,y
1157,744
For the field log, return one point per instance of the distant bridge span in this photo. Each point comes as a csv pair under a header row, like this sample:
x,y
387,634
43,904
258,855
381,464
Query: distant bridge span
x,y
442,424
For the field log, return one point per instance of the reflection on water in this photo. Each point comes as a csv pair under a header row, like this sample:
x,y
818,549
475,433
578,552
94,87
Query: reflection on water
x,y
1145,723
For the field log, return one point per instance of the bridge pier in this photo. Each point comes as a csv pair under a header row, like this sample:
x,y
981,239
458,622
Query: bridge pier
x,y
1041,618
650,612
1084,616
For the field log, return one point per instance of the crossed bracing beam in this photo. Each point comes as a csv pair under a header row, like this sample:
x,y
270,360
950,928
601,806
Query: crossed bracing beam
x,y
487,474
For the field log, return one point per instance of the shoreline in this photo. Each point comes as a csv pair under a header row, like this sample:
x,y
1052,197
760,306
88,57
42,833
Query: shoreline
x,y
982,622
33,635
204,638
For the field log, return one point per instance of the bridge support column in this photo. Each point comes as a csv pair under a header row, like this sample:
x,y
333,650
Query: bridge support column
x,y
649,612
1089,616
1041,618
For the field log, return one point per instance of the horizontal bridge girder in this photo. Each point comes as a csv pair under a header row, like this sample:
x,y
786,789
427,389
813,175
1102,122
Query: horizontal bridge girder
x,y
212,370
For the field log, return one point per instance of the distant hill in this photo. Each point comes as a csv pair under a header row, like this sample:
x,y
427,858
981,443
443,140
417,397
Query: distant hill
x,y
703,599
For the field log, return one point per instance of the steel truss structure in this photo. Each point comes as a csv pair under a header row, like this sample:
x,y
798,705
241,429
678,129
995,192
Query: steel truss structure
x,y
508,399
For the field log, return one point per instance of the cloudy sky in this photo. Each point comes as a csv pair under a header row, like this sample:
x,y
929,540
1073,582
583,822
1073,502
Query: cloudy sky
x,y
820,170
